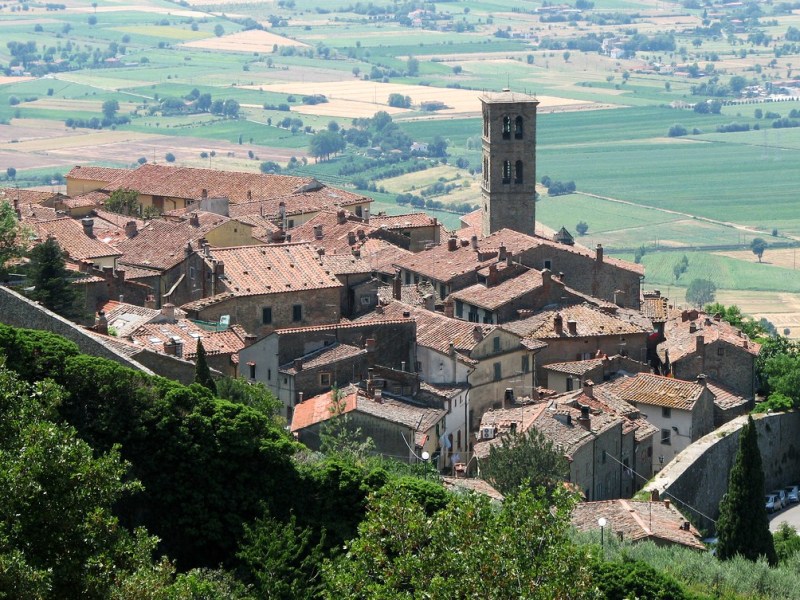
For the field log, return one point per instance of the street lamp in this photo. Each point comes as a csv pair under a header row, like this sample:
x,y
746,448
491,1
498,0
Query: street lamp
x,y
602,522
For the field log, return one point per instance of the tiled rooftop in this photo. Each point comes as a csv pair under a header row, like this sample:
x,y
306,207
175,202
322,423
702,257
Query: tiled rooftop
x,y
682,341
574,367
153,336
273,269
70,236
96,173
589,321
336,234
406,221
655,307
328,355
495,296
655,390
637,521
724,397
23,196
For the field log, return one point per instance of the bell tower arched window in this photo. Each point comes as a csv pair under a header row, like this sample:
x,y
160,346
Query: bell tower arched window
x,y
518,172
485,169
518,128
506,171
485,124
506,128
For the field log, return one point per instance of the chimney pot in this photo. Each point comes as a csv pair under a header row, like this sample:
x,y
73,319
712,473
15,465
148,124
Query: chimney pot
x,y
599,253
130,229
588,388
502,252
298,364
666,502
250,339
449,309
168,311
318,232
474,242
88,226
351,237
452,243
397,286
558,323
341,218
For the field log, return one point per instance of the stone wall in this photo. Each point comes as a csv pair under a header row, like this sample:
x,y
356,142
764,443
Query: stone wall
x,y
18,311
697,478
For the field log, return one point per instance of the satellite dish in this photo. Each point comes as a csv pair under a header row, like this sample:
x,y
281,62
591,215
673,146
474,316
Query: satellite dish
x,y
425,456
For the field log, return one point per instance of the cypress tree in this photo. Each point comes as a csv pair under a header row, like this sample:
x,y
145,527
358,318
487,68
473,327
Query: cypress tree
x,y
743,527
202,373
51,280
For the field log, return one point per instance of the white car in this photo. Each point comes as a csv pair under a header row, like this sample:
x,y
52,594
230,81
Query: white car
x,y
773,503
793,493
782,497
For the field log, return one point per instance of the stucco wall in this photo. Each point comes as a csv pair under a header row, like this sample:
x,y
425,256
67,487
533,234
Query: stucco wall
x,y
698,477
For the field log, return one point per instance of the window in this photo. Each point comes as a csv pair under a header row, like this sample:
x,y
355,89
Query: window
x,y
252,370
570,384
720,351
506,171
486,123
496,343
506,128
297,312
498,371
324,379
487,318
486,169
518,128
291,223
408,278
666,437
518,172
266,315
269,374
548,264
666,412
526,364
459,309
442,291
473,316
191,274
603,457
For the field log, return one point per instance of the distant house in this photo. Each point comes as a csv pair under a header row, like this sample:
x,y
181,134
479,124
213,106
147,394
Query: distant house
x,y
633,521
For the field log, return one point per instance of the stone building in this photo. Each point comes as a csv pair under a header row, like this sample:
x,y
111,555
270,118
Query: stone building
x,y
508,186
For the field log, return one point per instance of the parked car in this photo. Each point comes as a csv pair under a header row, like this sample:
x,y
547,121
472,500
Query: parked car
x,y
782,497
793,493
773,503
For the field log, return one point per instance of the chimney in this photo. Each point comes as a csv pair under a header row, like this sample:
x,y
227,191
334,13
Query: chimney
x,y
379,308
492,279
282,212
194,220
572,326
299,397
452,243
699,341
397,286
206,249
351,237
547,278
508,397
449,309
379,396
406,314
360,234
509,256
403,366
318,232
370,345
666,503
365,212
618,297
130,229
369,373
321,252
88,226
692,327
474,242
174,346
188,249
168,311
150,301
588,388
653,495
219,268
701,379
298,364
599,253
502,252
429,302
585,420
477,333
204,194
341,217
249,340
101,323
558,324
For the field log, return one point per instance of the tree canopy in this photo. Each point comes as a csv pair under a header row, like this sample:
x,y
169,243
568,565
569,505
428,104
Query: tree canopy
x,y
51,280
10,238
758,245
326,143
701,292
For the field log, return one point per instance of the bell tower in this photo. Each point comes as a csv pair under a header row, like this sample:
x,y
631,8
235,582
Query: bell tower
x,y
508,186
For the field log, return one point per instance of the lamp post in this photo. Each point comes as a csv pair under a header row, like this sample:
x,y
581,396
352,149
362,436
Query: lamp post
x,y
602,522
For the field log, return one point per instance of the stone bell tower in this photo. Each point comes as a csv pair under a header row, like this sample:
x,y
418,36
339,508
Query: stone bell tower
x,y
508,187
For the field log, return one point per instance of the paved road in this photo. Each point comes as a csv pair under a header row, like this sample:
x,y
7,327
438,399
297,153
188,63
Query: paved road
x,y
791,515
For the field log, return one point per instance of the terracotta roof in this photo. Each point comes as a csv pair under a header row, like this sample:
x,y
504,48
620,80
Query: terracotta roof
x,y
106,174
655,390
153,336
189,183
71,237
434,330
575,367
23,196
126,318
325,230
495,296
655,307
589,322
320,408
724,397
637,521
33,213
132,273
328,355
263,228
405,221
472,484
82,200
346,264
162,244
340,325
681,341
382,255
471,224
273,269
